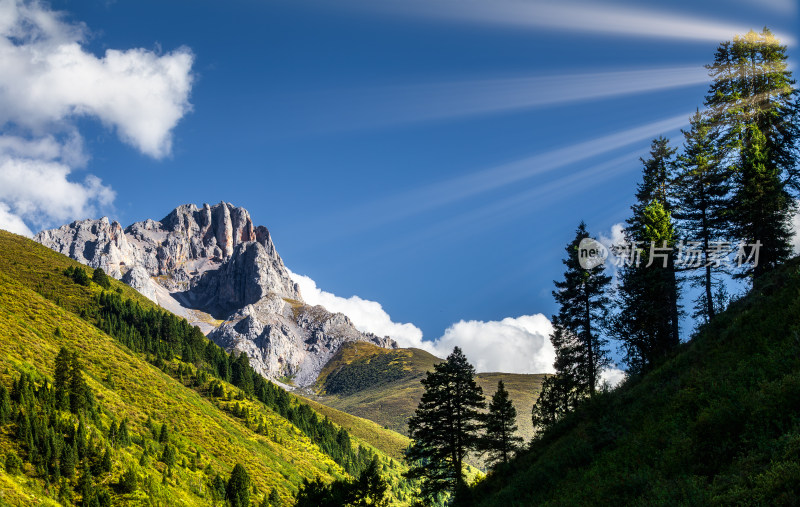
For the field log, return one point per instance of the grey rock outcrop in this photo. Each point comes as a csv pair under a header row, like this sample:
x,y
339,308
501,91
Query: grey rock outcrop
x,y
139,279
210,264
289,338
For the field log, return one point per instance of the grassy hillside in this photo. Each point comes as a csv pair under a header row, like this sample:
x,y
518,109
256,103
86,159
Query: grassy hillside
x,y
383,385
211,424
717,424
370,432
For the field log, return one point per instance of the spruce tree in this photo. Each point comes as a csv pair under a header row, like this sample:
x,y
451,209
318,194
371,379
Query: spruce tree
x,y
500,440
700,187
647,321
101,278
129,481
560,393
61,378
444,428
123,434
163,436
86,486
237,491
753,100
79,396
5,405
274,500
576,338
69,458
582,310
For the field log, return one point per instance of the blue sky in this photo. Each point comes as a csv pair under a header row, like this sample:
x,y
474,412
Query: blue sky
x,y
433,156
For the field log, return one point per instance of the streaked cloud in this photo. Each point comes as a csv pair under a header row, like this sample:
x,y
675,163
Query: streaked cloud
x,y
592,17
397,105
456,189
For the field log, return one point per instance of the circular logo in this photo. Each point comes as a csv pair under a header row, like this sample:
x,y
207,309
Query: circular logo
x,y
591,253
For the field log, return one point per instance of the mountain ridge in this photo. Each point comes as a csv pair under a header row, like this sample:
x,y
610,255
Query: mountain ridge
x,y
214,267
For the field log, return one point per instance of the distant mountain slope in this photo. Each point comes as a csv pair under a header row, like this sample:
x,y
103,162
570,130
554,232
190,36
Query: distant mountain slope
x,y
212,424
384,385
717,424
214,267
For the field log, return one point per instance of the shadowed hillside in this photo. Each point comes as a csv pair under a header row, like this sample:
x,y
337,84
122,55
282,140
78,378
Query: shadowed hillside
x,y
716,424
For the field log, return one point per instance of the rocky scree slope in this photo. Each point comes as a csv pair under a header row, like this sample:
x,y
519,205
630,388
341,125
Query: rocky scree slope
x,y
212,266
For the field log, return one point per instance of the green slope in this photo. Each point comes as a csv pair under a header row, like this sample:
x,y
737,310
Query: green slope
x,y
383,385
717,424
42,310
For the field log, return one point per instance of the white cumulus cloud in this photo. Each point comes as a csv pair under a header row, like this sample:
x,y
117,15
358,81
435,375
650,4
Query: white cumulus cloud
x,y
796,230
512,345
367,316
48,80
12,223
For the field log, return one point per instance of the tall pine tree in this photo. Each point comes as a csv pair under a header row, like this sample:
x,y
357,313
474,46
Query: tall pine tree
x,y
500,440
579,346
582,310
753,100
700,187
647,321
445,426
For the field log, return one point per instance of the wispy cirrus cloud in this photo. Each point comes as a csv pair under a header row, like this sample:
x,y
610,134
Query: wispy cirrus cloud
x,y
376,107
606,18
437,195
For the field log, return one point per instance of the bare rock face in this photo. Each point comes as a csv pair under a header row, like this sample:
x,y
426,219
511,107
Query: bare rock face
x,y
98,243
139,279
289,338
213,260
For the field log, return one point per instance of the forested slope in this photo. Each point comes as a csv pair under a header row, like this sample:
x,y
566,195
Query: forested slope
x,y
716,424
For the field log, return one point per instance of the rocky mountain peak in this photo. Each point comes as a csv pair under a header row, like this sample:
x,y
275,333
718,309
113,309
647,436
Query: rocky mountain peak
x,y
211,265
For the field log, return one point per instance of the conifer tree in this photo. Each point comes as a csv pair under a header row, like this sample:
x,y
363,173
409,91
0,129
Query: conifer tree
x,y
445,426
86,486
80,277
123,434
61,378
560,393
163,436
79,439
69,459
237,490
105,463
701,186
500,440
274,500
647,322
582,311
576,338
79,396
168,456
753,100
5,405
129,481
101,278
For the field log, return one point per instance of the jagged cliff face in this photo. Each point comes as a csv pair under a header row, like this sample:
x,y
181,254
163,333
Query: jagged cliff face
x,y
212,265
